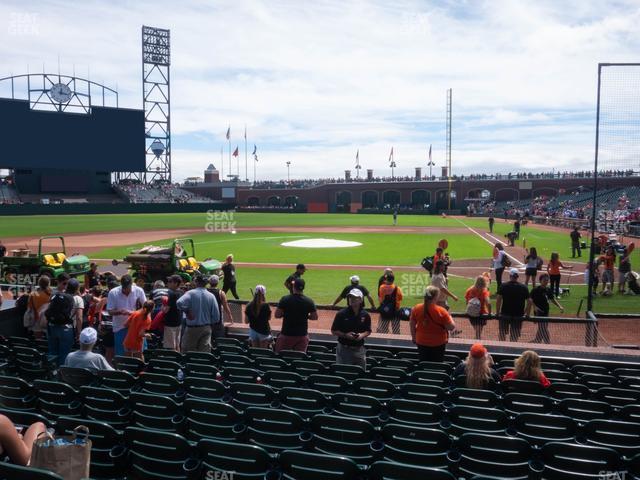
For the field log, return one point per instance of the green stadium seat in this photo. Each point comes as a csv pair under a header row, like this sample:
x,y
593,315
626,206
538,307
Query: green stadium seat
x,y
522,386
160,384
568,460
327,384
129,364
630,413
240,374
473,398
169,355
623,437
251,395
118,380
304,401
414,412
584,410
412,445
378,353
465,419
378,389
202,358
315,347
291,355
233,360
298,465
77,377
207,419
595,381
397,471
348,372
558,366
401,363
105,405
357,406
274,430
31,364
436,366
580,370
424,393
305,368
326,358
256,352
516,403
229,350
57,399
430,377
562,390
617,397
17,393
204,388
555,376
25,418
270,363
409,355
163,367
228,341
200,370
156,412
247,462
278,379
393,375
345,437
159,455
493,456
460,381
108,457
539,429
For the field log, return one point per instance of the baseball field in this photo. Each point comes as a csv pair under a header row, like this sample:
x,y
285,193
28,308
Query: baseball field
x,y
256,241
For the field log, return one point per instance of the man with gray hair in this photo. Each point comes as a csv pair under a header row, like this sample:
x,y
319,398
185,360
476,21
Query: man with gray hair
x,y
221,297
85,358
203,317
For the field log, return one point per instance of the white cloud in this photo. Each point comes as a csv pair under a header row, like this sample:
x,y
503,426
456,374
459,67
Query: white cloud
x,y
316,81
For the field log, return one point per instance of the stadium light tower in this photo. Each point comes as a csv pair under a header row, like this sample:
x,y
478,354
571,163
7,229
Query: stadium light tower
x,y
156,59
288,173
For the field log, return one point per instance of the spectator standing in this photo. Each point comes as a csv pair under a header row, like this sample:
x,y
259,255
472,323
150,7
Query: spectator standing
x,y
352,325
575,242
60,326
173,316
430,325
258,314
478,368
539,300
553,269
516,228
500,261
355,283
85,357
158,291
492,221
92,277
295,310
288,283
527,367
229,278
77,315
624,267
38,303
440,281
137,325
202,317
609,261
478,295
533,264
390,297
3,250
221,298
387,271
122,301
61,282
510,307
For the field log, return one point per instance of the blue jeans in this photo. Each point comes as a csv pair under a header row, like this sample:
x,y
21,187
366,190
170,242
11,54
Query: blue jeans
x,y
118,339
60,339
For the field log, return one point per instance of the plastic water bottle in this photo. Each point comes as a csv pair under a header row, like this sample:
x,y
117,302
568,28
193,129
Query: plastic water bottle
x,y
180,375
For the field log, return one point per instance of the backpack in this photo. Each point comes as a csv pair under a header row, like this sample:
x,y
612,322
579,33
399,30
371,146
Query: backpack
x,y
388,306
427,264
505,261
60,309
474,307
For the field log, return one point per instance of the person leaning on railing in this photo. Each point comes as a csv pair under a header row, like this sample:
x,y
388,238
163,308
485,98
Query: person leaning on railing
x,y
430,325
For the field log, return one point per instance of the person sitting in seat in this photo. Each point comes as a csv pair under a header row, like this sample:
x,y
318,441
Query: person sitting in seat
x,y
85,358
17,444
478,368
527,367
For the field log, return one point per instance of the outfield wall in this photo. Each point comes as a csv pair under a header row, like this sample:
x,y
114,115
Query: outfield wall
x,y
111,208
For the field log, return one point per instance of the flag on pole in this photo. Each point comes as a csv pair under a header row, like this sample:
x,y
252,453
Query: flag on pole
x,y
235,152
229,133
391,155
245,132
358,155
255,149
429,152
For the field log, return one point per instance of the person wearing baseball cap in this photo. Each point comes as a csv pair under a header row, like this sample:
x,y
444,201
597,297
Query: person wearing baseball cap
x,y
295,310
477,369
511,302
354,283
352,325
288,283
122,301
85,358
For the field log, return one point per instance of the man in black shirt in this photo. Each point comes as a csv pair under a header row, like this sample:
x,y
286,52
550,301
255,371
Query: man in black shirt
x,y
510,304
352,325
539,300
491,222
288,283
3,250
516,227
355,283
229,279
295,310
575,242
173,317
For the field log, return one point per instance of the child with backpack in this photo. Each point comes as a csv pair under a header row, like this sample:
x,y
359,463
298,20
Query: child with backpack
x,y
478,304
137,324
390,297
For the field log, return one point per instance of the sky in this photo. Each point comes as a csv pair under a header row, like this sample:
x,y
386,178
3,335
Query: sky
x,y
316,82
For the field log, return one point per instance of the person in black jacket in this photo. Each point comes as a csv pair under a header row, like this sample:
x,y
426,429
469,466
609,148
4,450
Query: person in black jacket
x,y
229,279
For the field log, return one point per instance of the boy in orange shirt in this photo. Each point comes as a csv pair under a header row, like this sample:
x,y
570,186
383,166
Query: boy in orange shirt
x,y
138,323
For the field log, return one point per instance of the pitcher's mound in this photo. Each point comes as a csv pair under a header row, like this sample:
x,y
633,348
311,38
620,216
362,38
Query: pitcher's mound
x,y
321,243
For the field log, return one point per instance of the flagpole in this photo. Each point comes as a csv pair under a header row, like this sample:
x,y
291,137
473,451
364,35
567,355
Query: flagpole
x,y
246,175
230,168
221,163
254,170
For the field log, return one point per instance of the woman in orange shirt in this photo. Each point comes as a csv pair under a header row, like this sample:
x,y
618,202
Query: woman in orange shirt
x,y
480,292
553,269
138,323
430,326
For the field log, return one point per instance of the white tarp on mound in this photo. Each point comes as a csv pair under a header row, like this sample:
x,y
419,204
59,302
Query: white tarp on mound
x,y
321,243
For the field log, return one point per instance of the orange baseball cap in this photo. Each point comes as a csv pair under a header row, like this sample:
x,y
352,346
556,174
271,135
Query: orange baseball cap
x,y
477,350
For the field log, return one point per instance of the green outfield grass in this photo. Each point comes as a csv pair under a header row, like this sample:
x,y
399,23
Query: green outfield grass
x,y
37,225
376,249
323,286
